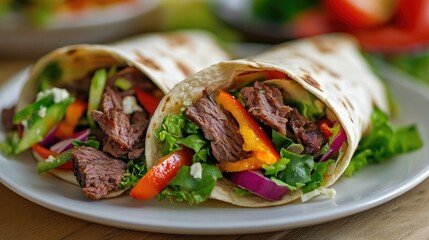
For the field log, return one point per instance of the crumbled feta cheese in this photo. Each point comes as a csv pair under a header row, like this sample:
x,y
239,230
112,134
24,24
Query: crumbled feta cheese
x,y
24,123
42,112
50,159
196,170
58,93
129,104
330,192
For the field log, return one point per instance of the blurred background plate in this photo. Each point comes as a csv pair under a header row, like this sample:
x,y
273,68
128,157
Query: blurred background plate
x,y
21,37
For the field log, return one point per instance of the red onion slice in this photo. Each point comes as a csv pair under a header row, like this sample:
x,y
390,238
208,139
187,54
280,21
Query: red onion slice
x,y
335,145
257,183
67,143
50,138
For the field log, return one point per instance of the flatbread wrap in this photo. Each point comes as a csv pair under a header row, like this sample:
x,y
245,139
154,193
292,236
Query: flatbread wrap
x,y
85,108
281,125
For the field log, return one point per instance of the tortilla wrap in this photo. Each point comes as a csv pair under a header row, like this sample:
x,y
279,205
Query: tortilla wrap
x,y
165,59
330,67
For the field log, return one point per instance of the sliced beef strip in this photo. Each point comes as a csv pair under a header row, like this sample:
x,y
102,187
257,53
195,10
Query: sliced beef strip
x,y
139,125
265,103
305,132
7,119
124,133
218,127
111,100
96,172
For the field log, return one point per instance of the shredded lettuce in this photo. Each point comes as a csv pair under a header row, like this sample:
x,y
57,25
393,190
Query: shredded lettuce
x,y
9,144
184,187
383,142
136,169
275,168
297,171
177,130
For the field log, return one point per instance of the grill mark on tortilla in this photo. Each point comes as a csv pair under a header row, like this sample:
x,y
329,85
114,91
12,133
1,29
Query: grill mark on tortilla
x,y
336,86
147,62
349,103
168,99
344,104
304,70
185,69
322,46
71,52
310,80
78,59
351,119
176,40
317,66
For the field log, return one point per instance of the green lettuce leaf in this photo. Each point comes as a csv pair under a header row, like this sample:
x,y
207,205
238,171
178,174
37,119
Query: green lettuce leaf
x,y
272,170
184,187
297,171
136,169
177,130
383,142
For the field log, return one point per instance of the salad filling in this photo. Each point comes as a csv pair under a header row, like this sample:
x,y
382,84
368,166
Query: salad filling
x,y
257,136
93,127
266,135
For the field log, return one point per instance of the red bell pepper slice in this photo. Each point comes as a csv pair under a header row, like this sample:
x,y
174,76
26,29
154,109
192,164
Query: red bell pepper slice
x,y
255,140
158,177
325,127
149,102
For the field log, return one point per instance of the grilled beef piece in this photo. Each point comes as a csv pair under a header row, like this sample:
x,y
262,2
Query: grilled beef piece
x,y
265,103
96,172
78,88
7,119
124,134
218,127
305,132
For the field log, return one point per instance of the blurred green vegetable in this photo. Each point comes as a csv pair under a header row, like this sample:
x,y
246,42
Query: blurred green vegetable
x,y
416,65
280,11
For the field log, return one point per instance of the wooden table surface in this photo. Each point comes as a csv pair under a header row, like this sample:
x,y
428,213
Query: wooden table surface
x,y
406,217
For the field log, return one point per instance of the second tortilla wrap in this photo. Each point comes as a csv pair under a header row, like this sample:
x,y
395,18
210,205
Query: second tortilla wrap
x,y
329,67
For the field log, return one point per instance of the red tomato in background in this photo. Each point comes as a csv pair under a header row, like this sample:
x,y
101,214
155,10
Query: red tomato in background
x,y
361,14
387,26
311,22
391,39
413,15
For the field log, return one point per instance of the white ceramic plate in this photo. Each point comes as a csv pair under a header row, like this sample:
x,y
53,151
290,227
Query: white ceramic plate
x,y
371,187
96,25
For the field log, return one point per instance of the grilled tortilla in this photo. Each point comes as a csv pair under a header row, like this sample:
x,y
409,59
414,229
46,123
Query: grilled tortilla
x,y
329,67
165,59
